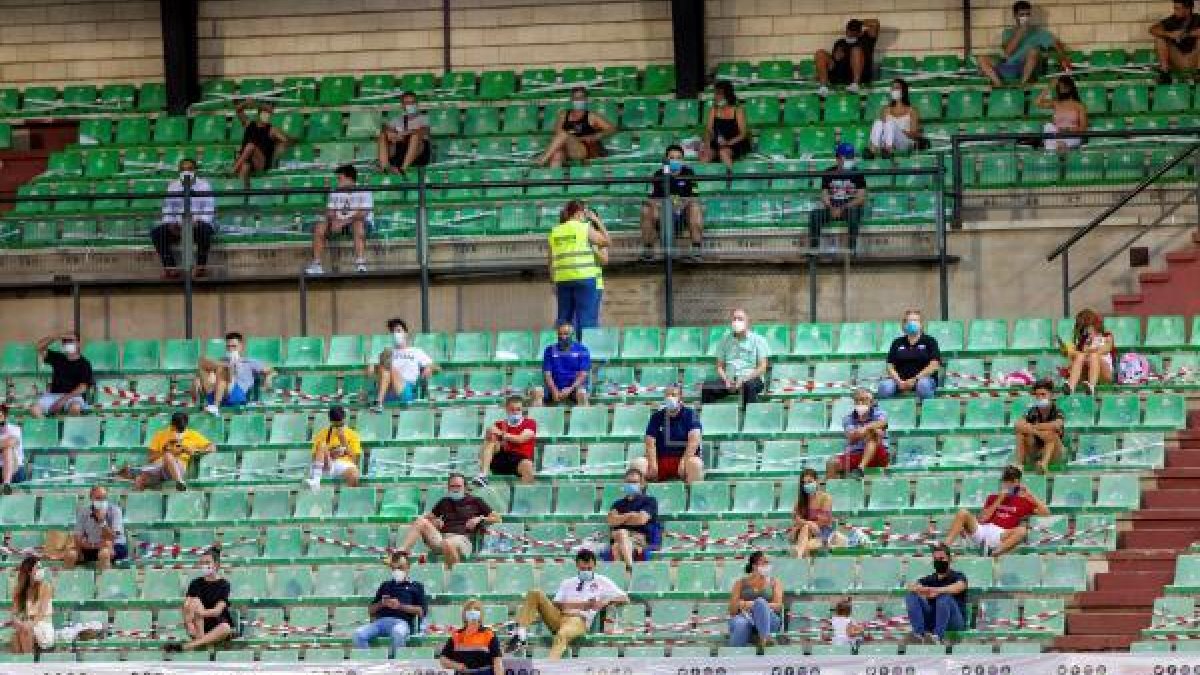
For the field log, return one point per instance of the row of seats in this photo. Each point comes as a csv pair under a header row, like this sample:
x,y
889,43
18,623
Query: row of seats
x,y
83,99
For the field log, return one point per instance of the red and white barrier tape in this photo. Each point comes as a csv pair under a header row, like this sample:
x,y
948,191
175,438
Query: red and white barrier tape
x,y
566,544
703,539
156,550
1029,621
132,398
648,626
453,393
305,396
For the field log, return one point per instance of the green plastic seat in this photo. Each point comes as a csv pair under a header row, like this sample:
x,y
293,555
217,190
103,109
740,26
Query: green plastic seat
x,y
843,108
964,105
1164,332
987,335
497,84
1006,104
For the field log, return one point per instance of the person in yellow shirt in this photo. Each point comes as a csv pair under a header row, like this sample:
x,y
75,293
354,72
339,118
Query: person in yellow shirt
x,y
171,449
336,450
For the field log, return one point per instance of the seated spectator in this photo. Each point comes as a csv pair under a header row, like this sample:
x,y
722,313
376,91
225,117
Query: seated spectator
x,y
812,516
852,61
685,206
843,194
673,438
1175,40
571,614
1023,45
508,445
938,602
203,212
633,520
741,363
574,266
399,606
578,134
1069,113
451,525
171,449
1092,352
866,439
99,533
261,141
566,366
404,141
474,648
845,631
999,527
230,381
1040,432
726,132
348,211
32,617
336,451
401,368
898,129
206,616
755,605
12,453
70,377
913,361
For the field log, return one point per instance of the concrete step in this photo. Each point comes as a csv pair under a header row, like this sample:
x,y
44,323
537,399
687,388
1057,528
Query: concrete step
x,y
1170,498
1131,600
1154,278
1133,582
1176,539
1127,302
1183,256
1093,643
1187,455
1139,556
1097,622
1179,478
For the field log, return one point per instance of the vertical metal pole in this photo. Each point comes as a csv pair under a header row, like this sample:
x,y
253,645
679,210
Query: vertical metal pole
x,y
1196,172
1066,282
939,204
303,304
956,164
188,244
423,245
812,285
666,219
966,29
77,307
446,61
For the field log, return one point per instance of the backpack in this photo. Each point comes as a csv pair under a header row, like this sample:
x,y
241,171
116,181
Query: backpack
x,y
1133,368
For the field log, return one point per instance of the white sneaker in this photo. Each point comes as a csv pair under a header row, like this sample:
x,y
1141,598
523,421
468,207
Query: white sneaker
x,y
360,265
853,88
822,91
314,484
212,409
314,267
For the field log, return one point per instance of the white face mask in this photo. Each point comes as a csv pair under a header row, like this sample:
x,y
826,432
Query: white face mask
x,y
100,504
671,403
70,348
187,175
410,109
897,94
400,338
399,576
738,325
764,570
861,409
232,355
851,40
39,574
847,164
1022,19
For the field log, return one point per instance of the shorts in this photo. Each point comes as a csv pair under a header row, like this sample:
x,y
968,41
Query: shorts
x,y
158,470
338,468
505,463
20,475
668,468
408,396
234,396
397,158
1040,444
592,149
43,635
548,398
639,539
988,534
460,542
90,555
852,459
46,400
1012,71
841,74
740,149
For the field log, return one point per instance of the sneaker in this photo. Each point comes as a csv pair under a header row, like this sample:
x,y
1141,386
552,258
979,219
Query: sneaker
x,y
480,481
360,266
1088,388
6,490
1164,77
377,409
173,648
181,486
822,91
646,256
515,643
212,409
314,484
1067,389
985,551
853,89
314,268
696,255
857,473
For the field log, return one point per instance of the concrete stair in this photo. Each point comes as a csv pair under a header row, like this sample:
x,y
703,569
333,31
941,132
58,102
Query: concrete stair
x,y
1159,291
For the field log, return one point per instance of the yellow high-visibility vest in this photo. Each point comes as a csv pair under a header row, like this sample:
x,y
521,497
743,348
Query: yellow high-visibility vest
x,y
571,254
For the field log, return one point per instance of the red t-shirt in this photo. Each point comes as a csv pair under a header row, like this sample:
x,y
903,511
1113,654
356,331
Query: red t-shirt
x,y
523,449
1011,511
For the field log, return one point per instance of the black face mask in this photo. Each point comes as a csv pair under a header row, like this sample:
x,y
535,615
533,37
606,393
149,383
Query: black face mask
x,y
941,566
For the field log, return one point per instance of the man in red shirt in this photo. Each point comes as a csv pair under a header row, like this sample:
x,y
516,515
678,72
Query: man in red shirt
x,y
999,527
508,445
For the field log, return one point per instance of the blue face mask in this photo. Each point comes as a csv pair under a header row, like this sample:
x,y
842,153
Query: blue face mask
x,y
456,494
912,328
1041,402
675,165
472,615
810,488
514,420
586,575
631,489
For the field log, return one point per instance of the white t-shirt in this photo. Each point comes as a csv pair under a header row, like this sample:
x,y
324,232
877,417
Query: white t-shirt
x,y
409,361
599,588
10,430
840,625
345,204
405,122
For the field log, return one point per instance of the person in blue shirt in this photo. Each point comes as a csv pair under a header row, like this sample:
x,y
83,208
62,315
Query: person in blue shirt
x,y
399,606
566,365
631,519
673,437
866,439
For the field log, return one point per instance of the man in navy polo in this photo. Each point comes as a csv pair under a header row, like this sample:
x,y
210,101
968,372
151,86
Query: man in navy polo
x,y
673,437
566,365
399,607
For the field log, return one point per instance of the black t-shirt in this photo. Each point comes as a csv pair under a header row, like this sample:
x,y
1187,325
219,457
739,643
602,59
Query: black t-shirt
x,y
841,52
456,513
842,186
1050,413
952,577
909,359
1172,23
68,374
408,592
476,651
642,502
210,593
680,187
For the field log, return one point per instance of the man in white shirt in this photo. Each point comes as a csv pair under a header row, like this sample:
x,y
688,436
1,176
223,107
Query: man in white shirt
x,y
203,213
349,210
400,367
404,140
12,453
575,605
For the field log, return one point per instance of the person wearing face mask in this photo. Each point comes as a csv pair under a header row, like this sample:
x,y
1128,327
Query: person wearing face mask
x,y
843,194
399,606
33,608
1090,354
206,616
203,210
755,604
1175,40
348,211
1040,432
865,427
1000,526
938,602
70,376
673,438
404,141
12,453
898,128
336,451
573,610
453,523
1023,46
741,363
474,648
229,381
633,520
852,60
686,207
566,366
812,516
579,133
261,141
99,535
573,265
171,449
726,132
401,368
1069,113
508,445
913,361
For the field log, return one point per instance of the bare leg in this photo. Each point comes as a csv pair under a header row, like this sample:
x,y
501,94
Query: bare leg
x,y
1093,368
554,148
212,637
623,547
1031,64
1011,539
726,155
384,147
823,62
10,467
833,468
485,457
1163,50
350,477
1051,449
869,449
695,220
320,232
693,470
71,557
450,556
359,230
581,397
858,64
193,623
525,471
804,535
412,151
1076,370
964,521
988,68
104,557
173,467
649,224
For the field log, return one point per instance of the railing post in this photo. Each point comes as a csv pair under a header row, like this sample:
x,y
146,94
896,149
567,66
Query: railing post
x,y
423,245
939,204
303,293
956,165
1066,282
188,244
1196,173
666,220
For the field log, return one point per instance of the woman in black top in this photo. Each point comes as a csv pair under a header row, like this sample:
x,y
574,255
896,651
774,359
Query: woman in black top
x,y
206,607
578,133
726,133
260,141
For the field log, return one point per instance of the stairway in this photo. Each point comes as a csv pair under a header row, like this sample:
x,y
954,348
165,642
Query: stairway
x,y
1162,292
33,143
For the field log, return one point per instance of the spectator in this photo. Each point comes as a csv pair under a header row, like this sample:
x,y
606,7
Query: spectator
x,y
1040,432
399,606
755,604
473,648
573,266
171,449
12,453
452,523
999,527
99,533
846,632
566,365
1092,351
348,210
70,377
508,445
726,132
938,602
1069,113
1024,45
206,616
741,363
812,516
260,141
673,437
230,381
33,609
1175,40
686,208
913,361
401,368
843,193
576,602
203,212
852,61
578,133
633,520
336,451
404,141
866,439
898,128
